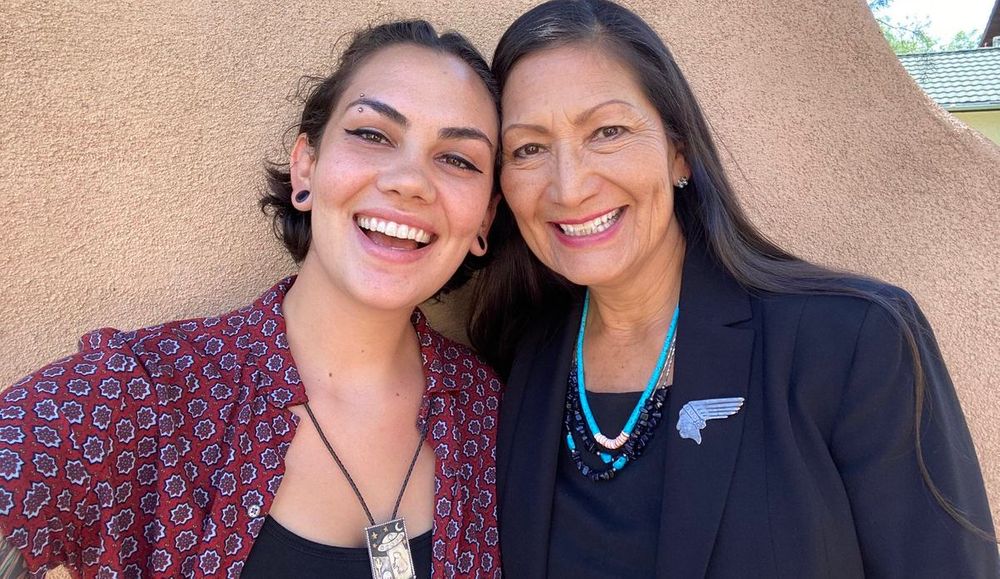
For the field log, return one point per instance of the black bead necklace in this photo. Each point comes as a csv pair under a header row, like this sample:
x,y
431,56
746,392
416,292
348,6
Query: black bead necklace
x,y
649,417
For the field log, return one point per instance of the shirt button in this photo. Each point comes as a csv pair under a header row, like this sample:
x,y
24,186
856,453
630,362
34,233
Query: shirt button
x,y
253,511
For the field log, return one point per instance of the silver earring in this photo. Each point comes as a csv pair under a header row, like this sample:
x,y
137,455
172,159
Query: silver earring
x,y
682,183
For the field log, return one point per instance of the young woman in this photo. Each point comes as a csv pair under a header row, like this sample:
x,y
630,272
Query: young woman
x,y
325,429
686,399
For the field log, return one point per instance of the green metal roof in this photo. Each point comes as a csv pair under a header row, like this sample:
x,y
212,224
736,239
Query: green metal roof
x,y
958,80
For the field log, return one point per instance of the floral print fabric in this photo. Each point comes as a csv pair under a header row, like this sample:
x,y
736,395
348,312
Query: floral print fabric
x,y
158,452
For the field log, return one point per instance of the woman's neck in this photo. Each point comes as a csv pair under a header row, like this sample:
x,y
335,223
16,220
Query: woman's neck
x,y
341,346
629,311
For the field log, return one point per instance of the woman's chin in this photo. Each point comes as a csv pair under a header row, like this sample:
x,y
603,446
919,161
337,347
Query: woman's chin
x,y
402,290
595,270
385,296
592,278
370,283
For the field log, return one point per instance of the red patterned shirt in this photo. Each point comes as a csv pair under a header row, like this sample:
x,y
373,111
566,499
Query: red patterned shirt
x,y
158,452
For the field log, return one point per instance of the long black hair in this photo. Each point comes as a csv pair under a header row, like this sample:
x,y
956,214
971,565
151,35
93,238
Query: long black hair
x,y
293,227
517,288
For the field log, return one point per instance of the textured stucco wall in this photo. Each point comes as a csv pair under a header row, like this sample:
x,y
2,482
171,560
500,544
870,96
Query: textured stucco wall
x,y
133,134
986,122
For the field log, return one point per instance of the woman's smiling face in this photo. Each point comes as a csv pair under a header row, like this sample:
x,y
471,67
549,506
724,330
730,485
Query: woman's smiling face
x,y
402,178
588,170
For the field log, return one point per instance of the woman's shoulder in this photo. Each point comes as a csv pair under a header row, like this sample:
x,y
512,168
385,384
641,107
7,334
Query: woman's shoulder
x,y
109,367
110,359
105,359
855,303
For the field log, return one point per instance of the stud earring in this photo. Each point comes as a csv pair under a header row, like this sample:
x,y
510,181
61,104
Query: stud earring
x,y
302,195
482,242
682,182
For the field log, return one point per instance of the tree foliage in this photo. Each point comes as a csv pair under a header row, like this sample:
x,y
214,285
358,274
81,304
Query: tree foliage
x,y
911,35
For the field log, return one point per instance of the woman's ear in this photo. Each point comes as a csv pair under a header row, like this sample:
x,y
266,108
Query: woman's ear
x,y
679,169
301,166
479,245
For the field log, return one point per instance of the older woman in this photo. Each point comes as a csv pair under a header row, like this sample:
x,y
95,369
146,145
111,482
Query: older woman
x,y
684,397
324,430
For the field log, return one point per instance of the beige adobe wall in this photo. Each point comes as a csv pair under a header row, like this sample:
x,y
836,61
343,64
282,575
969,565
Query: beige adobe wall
x,y
133,133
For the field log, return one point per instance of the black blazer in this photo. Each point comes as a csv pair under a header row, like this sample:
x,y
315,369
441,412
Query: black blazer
x,y
816,476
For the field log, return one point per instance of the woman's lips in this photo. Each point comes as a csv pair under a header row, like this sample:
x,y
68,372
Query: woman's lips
x,y
590,226
393,234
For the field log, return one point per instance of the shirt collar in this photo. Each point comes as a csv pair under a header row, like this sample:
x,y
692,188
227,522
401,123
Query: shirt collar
x,y
440,358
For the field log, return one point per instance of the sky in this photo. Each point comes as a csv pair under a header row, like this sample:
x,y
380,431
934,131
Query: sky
x,y
946,17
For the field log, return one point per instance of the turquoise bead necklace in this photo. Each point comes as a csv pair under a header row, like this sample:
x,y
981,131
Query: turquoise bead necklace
x,y
613,444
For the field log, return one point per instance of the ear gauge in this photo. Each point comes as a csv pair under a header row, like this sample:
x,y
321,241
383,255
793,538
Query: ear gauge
x,y
482,242
301,196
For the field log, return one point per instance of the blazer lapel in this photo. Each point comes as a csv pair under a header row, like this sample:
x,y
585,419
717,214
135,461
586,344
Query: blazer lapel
x,y
712,361
531,422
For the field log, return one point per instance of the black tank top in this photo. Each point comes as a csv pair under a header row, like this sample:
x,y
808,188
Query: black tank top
x,y
610,529
278,553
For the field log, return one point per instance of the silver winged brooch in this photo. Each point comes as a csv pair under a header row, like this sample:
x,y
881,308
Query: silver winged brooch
x,y
693,416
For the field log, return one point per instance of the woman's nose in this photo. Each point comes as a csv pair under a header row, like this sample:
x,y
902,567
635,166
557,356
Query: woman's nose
x,y
406,177
569,183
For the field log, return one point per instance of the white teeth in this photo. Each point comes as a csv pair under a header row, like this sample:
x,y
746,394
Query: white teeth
x,y
596,225
393,229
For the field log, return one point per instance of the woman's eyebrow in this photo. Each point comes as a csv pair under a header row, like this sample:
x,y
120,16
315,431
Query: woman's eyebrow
x,y
525,127
399,118
382,109
578,120
465,133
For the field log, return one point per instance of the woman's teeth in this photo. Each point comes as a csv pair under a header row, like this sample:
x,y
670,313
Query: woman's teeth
x,y
393,229
593,226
